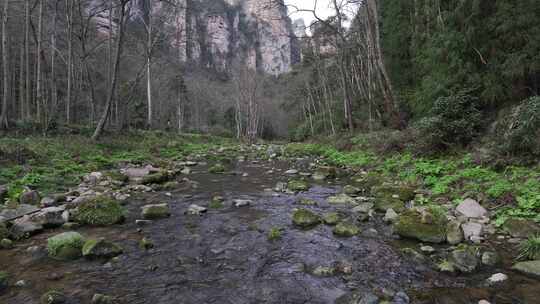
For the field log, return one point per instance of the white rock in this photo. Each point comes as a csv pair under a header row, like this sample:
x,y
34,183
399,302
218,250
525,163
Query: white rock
x,y
390,216
471,209
291,172
427,249
196,209
497,278
241,202
483,302
472,230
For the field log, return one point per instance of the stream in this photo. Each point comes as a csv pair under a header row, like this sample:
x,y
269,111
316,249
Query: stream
x,y
224,256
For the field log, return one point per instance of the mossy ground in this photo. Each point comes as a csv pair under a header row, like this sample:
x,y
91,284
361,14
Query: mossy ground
x,y
56,163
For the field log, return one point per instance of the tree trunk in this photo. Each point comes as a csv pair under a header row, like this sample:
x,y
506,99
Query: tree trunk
x,y
28,83
4,115
120,39
149,66
69,18
39,97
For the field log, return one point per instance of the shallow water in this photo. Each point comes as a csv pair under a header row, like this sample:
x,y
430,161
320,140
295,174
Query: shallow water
x,y
225,256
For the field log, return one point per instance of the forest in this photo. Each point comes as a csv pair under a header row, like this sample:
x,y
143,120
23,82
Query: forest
x,y
377,151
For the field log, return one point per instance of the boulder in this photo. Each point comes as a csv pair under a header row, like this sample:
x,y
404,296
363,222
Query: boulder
x,y
454,234
100,249
331,218
497,278
305,218
99,211
4,232
390,216
217,168
472,230
102,299
531,268
3,193
521,228
298,186
465,259
4,280
6,244
363,208
346,229
48,202
24,227
410,225
13,213
50,217
490,258
65,246
196,210
324,172
340,199
53,297
291,172
157,178
351,190
241,202
155,211
30,197
470,208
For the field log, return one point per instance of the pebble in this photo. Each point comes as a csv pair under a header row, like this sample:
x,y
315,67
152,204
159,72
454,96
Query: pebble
x,y
20,283
427,249
241,203
497,278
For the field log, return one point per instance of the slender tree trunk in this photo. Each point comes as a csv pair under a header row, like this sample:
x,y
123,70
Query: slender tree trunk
x,y
69,18
54,93
39,97
4,113
21,84
28,83
106,112
149,66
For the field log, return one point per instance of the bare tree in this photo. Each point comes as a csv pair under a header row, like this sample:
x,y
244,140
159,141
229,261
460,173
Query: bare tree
x,y
5,82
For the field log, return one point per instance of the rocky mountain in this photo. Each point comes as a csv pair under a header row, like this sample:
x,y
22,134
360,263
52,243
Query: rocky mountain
x,y
221,34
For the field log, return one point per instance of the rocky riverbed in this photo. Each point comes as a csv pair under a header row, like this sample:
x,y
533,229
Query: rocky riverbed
x,y
255,230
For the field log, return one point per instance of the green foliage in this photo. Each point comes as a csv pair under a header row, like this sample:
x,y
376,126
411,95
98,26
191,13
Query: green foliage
x,y
331,155
530,249
521,129
100,211
453,120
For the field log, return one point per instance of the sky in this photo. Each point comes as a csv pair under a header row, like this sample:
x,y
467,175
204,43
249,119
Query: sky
x,y
323,10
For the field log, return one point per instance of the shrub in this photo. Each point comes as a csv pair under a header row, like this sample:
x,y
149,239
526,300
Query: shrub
x,y
530,249
453,120
520,130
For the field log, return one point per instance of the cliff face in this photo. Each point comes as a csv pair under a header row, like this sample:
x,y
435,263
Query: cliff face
x,y
223,33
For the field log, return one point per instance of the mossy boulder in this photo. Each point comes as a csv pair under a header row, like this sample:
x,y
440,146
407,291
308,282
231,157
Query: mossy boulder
x,y
307,202
394,197
53,297
325,172
331,218
102,299
368,180
305,218
117,176
346,229
99,211
340,199
6,244
217,168
351,190
157,178
298,186
4,280
531,268
65,246
155,211
465,258
100,248
412,225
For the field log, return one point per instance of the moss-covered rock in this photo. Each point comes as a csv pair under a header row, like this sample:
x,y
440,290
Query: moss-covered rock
x,y
53,297
465,258
146,243
305,218
155,211
521,228
100,248
298,186
4,280
340,199
351,190
325,172
346,229
411,225
99,211
117,176
394,197
217,168
331,218
65,246
531,268
157,178
102,299
307,202
368,181
6,244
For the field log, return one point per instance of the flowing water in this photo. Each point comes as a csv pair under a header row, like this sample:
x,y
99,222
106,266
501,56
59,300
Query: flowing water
x,y
224,256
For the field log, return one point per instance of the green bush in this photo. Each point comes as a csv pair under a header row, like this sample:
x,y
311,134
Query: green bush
x,y
530,249
520,132
453,121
